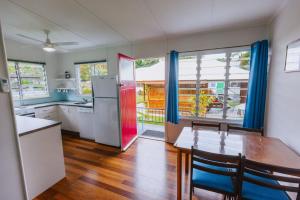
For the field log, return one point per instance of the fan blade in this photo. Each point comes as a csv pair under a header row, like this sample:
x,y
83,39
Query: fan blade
x,y
64,43
30,38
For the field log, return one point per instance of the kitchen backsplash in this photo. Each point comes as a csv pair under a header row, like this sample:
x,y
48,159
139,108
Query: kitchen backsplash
x,y
55,96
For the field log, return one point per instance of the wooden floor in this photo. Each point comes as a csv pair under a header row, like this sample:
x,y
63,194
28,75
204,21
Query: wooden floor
x,y
147,170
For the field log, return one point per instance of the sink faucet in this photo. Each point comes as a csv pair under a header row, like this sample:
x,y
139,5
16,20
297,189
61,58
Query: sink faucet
x,y
84,100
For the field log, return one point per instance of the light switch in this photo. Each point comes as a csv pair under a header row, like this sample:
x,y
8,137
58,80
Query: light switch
x,y
4,86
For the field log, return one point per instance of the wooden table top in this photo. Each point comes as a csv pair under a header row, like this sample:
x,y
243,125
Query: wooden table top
x,y
257,148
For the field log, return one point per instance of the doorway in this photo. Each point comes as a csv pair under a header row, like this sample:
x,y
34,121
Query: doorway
x,y
150,97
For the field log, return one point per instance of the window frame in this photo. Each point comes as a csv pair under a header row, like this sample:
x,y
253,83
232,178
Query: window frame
x,y
78,79
19,78
199,54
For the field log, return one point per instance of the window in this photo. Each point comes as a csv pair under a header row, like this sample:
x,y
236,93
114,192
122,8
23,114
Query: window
x,y
85,71
214,84
28,80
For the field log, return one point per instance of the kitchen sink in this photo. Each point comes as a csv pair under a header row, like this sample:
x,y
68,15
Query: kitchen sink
x,y
80,103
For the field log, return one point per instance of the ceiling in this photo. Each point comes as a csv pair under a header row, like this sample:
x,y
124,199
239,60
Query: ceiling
x,y
110,22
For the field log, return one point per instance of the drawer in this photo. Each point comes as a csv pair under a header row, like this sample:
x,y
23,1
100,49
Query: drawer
x,y
50,116
85,110
49,109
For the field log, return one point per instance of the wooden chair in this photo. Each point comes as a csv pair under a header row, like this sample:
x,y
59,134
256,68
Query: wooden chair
x,y
201,125
239,129
205,125
258,183
215,172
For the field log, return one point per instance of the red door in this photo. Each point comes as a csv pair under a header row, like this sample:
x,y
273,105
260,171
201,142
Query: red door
x,y
127,100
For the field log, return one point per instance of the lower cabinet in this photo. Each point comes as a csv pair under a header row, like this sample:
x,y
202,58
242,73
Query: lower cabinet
x,y
49,112
66,114
42,160
85,124
73,118
69,118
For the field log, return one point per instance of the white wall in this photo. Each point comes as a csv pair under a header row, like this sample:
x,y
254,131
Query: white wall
x,y
20,51
67,60
11,181
159,48
283,109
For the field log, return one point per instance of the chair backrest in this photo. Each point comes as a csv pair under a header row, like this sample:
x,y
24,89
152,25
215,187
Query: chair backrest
x,y
206,125
239,129
288,178
220,164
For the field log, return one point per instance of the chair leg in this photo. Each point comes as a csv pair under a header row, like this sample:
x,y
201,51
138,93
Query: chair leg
x,y
229,197
191,192
186,163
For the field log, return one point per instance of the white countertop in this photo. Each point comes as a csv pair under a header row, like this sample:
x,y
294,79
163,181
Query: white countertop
x,y
27,125
30,108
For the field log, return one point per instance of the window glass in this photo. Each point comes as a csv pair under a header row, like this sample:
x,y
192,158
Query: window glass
x,y
86,71
33,80
214,85
238,84
28,80
187,85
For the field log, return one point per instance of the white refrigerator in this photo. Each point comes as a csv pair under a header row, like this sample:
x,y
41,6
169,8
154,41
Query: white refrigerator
x,y
106,110
11,181
114,100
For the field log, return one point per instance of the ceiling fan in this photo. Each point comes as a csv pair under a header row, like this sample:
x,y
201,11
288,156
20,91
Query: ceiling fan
x,y
48,45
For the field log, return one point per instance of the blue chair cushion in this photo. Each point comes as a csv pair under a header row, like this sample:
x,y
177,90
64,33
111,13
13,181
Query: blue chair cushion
x,y
252,191
212,181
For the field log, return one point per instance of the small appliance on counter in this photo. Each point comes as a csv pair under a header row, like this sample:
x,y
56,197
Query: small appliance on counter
x,y
67,75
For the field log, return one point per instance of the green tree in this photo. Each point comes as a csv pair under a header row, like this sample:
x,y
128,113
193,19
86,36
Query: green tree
x,y
245,60
85,72
147,62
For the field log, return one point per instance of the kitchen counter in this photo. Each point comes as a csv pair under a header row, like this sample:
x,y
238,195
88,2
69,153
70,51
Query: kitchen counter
x,y
65,103
27,125
41,153
30,108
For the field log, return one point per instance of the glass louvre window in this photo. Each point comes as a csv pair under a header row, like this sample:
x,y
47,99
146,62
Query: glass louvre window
x,y
85,71
187,85
28,80
33,80
238,84
14,80
214,84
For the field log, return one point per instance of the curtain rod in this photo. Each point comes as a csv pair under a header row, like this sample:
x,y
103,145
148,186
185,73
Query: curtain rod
x,y
26,61
90,62
245,45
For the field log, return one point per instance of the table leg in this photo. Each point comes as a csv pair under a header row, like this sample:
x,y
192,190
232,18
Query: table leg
x,y
186,163
179,173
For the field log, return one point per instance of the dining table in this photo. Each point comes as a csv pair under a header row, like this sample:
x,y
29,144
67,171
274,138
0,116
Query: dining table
x,y
257,148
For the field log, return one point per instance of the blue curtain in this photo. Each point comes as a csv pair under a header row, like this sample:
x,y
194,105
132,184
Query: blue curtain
x,y
257,86
172,107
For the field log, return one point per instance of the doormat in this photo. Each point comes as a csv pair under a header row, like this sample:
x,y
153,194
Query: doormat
x,y
156,134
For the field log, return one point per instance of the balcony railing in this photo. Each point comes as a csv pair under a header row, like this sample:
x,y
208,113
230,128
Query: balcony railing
x,y
156,115
150,115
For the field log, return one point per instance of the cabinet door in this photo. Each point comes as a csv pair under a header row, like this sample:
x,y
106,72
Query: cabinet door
x,y
63,116
49,112
86,123
73,118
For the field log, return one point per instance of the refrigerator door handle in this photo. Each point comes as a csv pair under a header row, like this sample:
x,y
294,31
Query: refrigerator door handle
x,y
93,96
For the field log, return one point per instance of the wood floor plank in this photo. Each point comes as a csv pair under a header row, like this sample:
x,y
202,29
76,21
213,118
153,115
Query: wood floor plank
x,y
146,171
